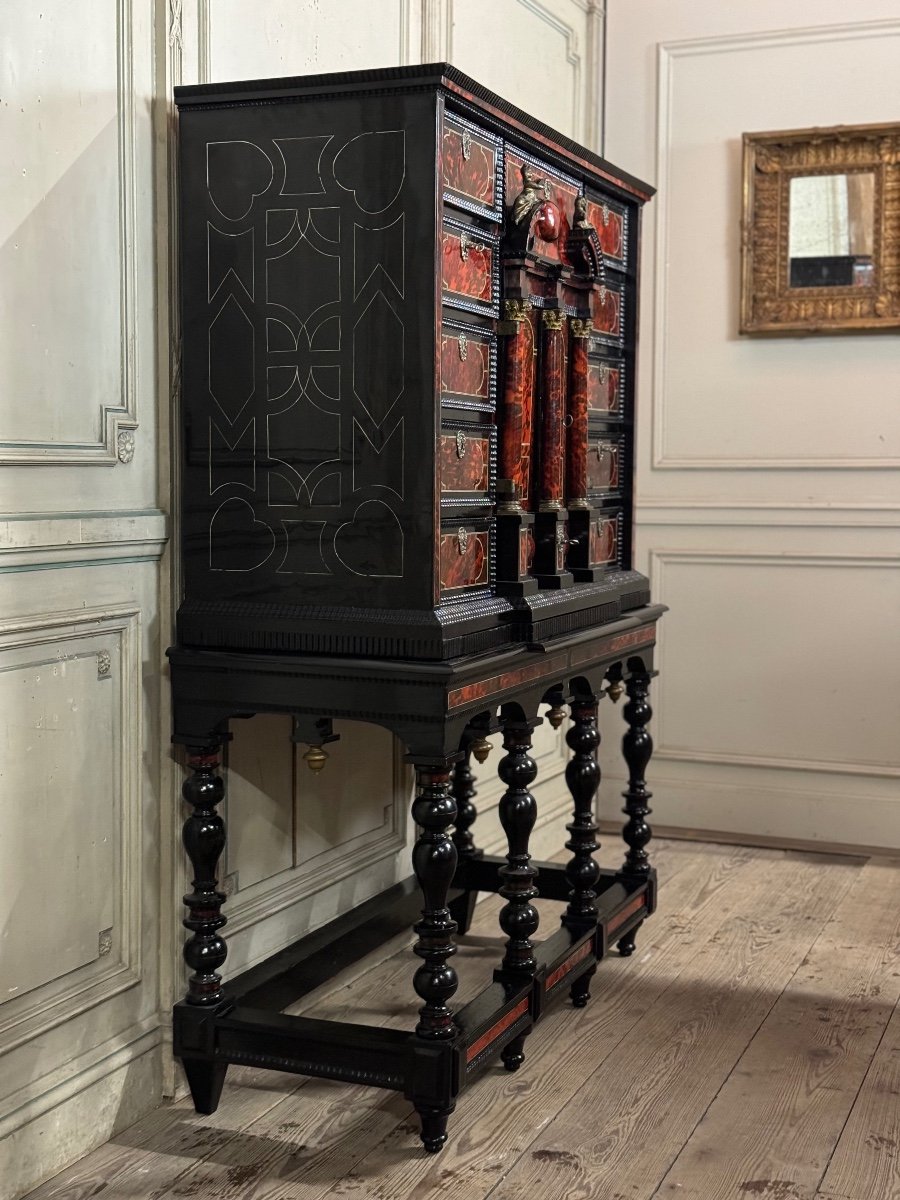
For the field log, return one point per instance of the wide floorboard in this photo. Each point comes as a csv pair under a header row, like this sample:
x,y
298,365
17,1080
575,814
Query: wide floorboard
x,y
749,1049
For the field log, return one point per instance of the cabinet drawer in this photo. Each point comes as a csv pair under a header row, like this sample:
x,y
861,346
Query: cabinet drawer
x,y
605,464
608,313
468,365
471,168
606,389
467,463
606,539
464,557
470,271
611,222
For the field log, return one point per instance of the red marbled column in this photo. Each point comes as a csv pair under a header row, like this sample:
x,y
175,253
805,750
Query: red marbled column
x,y
553,397
517,415
577,433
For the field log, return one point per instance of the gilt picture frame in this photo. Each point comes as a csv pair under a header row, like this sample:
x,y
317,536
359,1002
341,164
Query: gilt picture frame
x,y
797,278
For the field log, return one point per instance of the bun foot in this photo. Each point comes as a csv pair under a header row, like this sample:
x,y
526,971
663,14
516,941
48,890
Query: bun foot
x,y
625,945
513,1055
434,1128
581,990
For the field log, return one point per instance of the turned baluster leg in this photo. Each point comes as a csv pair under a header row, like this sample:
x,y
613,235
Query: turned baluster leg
x,y
463,908
518,812
434,863
637,747
582,870
205,951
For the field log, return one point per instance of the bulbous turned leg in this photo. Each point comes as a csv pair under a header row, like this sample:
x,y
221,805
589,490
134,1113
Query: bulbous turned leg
x,y
203,836
434,863
463,908
518,813
637,748
583,779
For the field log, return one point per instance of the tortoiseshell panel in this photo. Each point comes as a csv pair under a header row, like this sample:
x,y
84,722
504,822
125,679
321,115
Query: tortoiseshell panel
x,y
605,388
469,162
466,362
468,272
559,191
463,568
603,465
609,221
552,431
465,462
526,550
577,421
517,414
606,312
605,541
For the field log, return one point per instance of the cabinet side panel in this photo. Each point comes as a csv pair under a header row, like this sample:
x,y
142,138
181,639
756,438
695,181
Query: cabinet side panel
x,y
308,232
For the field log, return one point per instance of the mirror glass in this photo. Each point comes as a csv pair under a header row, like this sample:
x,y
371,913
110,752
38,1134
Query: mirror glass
x,y
832,230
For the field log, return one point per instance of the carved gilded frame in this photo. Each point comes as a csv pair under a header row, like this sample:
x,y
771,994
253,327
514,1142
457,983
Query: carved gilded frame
x,y
768,304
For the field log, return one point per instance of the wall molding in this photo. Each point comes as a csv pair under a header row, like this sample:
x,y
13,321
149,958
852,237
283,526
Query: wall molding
x,y
668,55
766,514
277,892
660,558
122,413
32,540
66,997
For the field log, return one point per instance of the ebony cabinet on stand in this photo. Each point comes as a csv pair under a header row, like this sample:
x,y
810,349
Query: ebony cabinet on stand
x,y
409,326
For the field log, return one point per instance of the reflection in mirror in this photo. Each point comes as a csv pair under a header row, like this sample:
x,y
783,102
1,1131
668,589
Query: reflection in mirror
x,y
832,226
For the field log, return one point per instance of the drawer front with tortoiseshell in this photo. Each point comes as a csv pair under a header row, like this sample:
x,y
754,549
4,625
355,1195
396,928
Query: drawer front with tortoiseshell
x,y
611,222
468,464
606,463
464,557
468,366
470,268
471,168
608,313
606,539
606,388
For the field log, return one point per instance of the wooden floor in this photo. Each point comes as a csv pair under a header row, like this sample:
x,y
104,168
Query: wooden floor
x,y
750,1048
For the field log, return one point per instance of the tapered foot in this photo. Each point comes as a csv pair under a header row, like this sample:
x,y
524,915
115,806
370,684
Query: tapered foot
x,y
434,1127
205,1079
581,990
462,910
626,944
513,1055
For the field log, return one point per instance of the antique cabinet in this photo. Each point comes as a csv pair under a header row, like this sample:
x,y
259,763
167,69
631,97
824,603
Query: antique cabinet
x,y
409,320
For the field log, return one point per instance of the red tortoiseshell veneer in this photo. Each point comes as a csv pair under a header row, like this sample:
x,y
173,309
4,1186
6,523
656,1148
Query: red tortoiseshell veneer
x,y
605,541
465,362
553,398
464,462
606,311
463,561
517,409
603,389
610,226
560,194
468,164
603,465
577,432
468,266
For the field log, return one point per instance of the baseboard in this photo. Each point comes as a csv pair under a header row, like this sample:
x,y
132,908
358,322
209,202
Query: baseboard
x,y
63,1132
682,833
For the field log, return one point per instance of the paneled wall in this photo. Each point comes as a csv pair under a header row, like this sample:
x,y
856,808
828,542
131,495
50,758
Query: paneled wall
x,y
769,501
91,868
82,536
